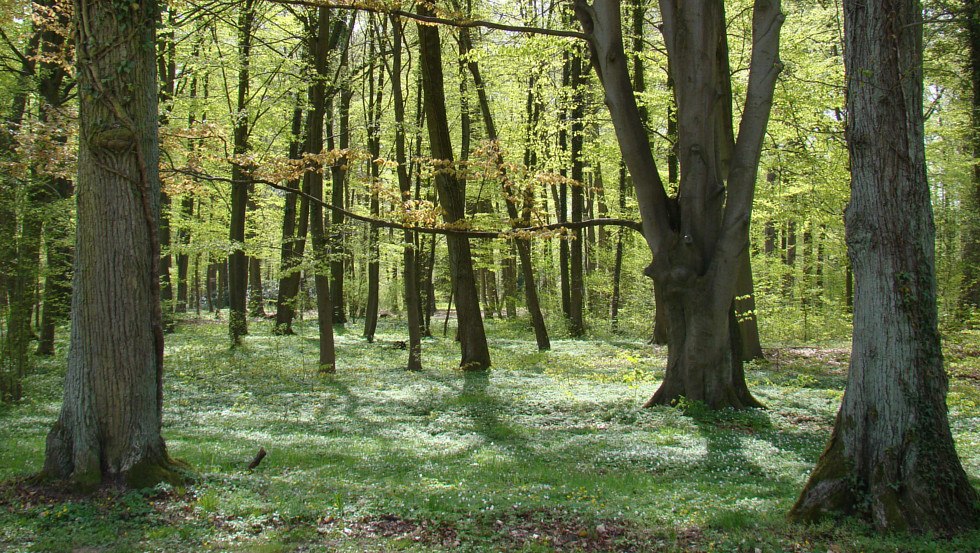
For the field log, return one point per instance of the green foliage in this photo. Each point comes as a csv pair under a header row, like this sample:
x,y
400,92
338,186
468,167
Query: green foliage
x,y
548,451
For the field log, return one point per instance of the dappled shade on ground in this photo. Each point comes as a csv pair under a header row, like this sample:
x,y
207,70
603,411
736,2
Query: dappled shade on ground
x,y
549,451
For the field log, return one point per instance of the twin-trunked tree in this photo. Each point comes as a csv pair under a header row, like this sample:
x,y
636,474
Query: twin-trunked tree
x,y
699,237
109,426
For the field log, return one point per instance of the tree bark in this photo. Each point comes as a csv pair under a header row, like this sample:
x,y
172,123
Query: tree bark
x,y
452,197
375,95
576,269
57,278
320,48
237,261
288,258
109,426
891,458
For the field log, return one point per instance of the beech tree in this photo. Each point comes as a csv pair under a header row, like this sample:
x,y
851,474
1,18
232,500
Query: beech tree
x,y
109,426
891,457
452,196
698,237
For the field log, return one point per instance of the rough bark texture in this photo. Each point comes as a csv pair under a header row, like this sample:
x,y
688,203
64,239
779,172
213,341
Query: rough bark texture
x,y
109,426
891,458
452,196
697,238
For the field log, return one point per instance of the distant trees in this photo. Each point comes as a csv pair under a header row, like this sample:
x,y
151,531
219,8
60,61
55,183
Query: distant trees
x,y
891,457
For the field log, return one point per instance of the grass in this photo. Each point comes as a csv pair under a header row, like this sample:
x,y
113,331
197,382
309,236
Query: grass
x,y
548,452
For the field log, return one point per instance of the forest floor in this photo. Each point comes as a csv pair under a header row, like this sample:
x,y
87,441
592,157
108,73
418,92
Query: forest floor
x,y
548,452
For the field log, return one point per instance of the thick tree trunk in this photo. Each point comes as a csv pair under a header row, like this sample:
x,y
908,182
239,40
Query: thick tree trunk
x,y
704,355
891,457
696,239
109,426
452,197
748,323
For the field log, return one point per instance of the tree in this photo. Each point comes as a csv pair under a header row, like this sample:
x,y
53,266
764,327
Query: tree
x,y
237,260
320,49
970,293
452,196
413,307
523,246
109,426
891,457
698,237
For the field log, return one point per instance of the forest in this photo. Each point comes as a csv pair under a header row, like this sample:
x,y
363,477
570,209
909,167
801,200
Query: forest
x,y
472,275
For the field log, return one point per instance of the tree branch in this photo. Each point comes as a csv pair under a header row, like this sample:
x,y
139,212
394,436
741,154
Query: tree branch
x,y
492,234
433,20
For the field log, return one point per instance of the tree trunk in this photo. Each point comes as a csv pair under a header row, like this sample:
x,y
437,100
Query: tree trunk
x,y
452,197
340,36
320,47
576,270
237,261
697,238
339,182
970,290
748,323
523,246
375,92
617,275
413,306
891,458
57,278
109,426
288,260
183,259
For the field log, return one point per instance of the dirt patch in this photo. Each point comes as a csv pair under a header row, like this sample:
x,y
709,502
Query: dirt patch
x,y
562,531
396,528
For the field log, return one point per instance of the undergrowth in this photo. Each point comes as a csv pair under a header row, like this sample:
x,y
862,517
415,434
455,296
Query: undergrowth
x,y
547,452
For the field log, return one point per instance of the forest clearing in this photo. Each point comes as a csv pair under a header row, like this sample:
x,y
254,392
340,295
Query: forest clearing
x,y
573,275
547,452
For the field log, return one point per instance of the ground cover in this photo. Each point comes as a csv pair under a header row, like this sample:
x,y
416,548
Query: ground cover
x,y
548,452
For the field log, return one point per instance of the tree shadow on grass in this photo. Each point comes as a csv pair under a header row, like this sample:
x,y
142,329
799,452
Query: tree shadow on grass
x,y
484,408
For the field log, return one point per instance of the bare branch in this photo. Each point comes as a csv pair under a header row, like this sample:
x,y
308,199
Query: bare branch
x,y
468,233
464,23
